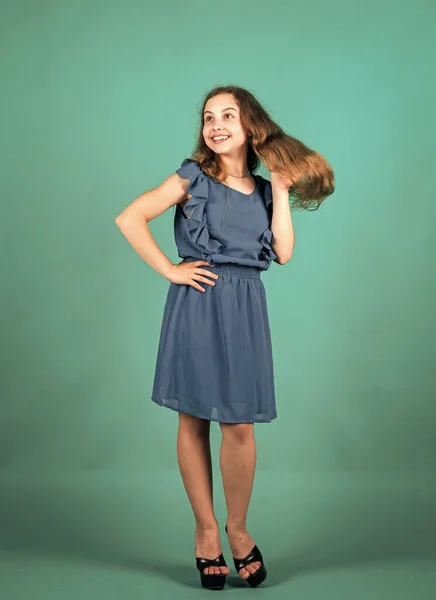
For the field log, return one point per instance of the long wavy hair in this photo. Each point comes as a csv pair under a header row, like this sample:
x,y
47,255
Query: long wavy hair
x,y
311,175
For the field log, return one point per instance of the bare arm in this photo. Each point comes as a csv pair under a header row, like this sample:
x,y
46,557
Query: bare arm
x,y
283,240
132,221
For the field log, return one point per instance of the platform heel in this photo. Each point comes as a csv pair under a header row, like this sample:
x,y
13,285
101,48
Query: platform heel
x,y
254,555
212,581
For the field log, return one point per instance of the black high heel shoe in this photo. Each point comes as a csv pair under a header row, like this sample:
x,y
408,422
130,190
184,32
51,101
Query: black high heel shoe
x,y
212,581
254,579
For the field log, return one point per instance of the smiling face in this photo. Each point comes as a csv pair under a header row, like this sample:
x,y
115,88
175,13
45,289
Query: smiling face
x,y
221,119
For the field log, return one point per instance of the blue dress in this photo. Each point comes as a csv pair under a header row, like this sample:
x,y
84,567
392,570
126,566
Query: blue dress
x,y
214,358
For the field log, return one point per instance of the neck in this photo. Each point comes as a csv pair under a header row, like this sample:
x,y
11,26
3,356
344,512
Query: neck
x,y
235,164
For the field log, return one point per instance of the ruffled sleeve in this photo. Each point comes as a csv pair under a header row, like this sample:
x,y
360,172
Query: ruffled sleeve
x,y
267,252
194,210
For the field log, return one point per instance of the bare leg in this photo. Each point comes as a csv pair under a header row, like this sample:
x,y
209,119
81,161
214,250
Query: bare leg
x,y
195,463
238,464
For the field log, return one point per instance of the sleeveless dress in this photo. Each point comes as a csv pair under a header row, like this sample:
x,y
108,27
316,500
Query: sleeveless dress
x,y
214,358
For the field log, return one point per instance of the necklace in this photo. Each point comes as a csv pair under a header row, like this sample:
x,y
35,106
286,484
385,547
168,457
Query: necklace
x,y
239,176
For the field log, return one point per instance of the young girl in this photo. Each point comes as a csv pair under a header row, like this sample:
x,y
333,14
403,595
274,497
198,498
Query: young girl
x,y
214,361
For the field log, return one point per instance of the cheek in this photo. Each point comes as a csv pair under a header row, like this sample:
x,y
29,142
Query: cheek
x,y
237,129
238,134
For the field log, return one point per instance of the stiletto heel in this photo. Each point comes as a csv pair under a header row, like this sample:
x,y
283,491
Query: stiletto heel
x,y
254,555
212,581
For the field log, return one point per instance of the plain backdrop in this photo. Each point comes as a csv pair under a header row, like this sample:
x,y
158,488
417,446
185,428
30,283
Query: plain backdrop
x,y
100,102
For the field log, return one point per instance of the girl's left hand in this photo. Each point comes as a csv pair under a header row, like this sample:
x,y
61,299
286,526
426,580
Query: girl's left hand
x,y
279,182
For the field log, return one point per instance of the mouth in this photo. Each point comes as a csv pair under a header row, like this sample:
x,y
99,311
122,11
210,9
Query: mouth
x,y
219,139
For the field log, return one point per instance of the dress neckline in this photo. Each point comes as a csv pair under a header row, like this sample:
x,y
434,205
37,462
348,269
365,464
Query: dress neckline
x,y
237,191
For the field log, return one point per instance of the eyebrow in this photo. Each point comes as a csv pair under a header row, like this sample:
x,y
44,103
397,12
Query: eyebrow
x,y
228,108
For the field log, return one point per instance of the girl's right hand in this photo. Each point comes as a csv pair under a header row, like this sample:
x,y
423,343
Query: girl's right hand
x,y
188,273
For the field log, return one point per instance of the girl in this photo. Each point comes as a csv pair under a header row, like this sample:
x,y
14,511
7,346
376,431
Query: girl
x,y
214,360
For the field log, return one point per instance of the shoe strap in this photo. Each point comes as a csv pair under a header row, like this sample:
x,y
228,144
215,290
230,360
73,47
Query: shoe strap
x,y
202,563
253,556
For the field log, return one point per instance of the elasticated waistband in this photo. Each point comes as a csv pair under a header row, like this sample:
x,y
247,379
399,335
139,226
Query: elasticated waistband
x,y
231,269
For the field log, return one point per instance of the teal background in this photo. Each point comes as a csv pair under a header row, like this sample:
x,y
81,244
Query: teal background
x,y
99,104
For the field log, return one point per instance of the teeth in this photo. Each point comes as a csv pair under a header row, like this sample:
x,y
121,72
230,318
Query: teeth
x,y
220,137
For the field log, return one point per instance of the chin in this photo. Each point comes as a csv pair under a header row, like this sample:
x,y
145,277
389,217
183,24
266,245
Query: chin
x,y
219,150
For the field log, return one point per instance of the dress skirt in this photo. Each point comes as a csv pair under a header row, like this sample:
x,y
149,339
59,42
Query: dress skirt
x,y
214,358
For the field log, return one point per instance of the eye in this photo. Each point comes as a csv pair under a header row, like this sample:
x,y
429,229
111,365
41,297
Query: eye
x,y
209,117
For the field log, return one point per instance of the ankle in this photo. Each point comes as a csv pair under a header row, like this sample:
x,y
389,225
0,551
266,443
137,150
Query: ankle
x,y
205,527
236,525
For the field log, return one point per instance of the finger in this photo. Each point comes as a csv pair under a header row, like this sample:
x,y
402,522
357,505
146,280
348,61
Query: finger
x,y
207,273
203,262
197,286
204,279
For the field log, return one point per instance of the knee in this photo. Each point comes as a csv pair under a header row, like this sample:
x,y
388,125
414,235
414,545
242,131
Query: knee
x,y
193,425
238,432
